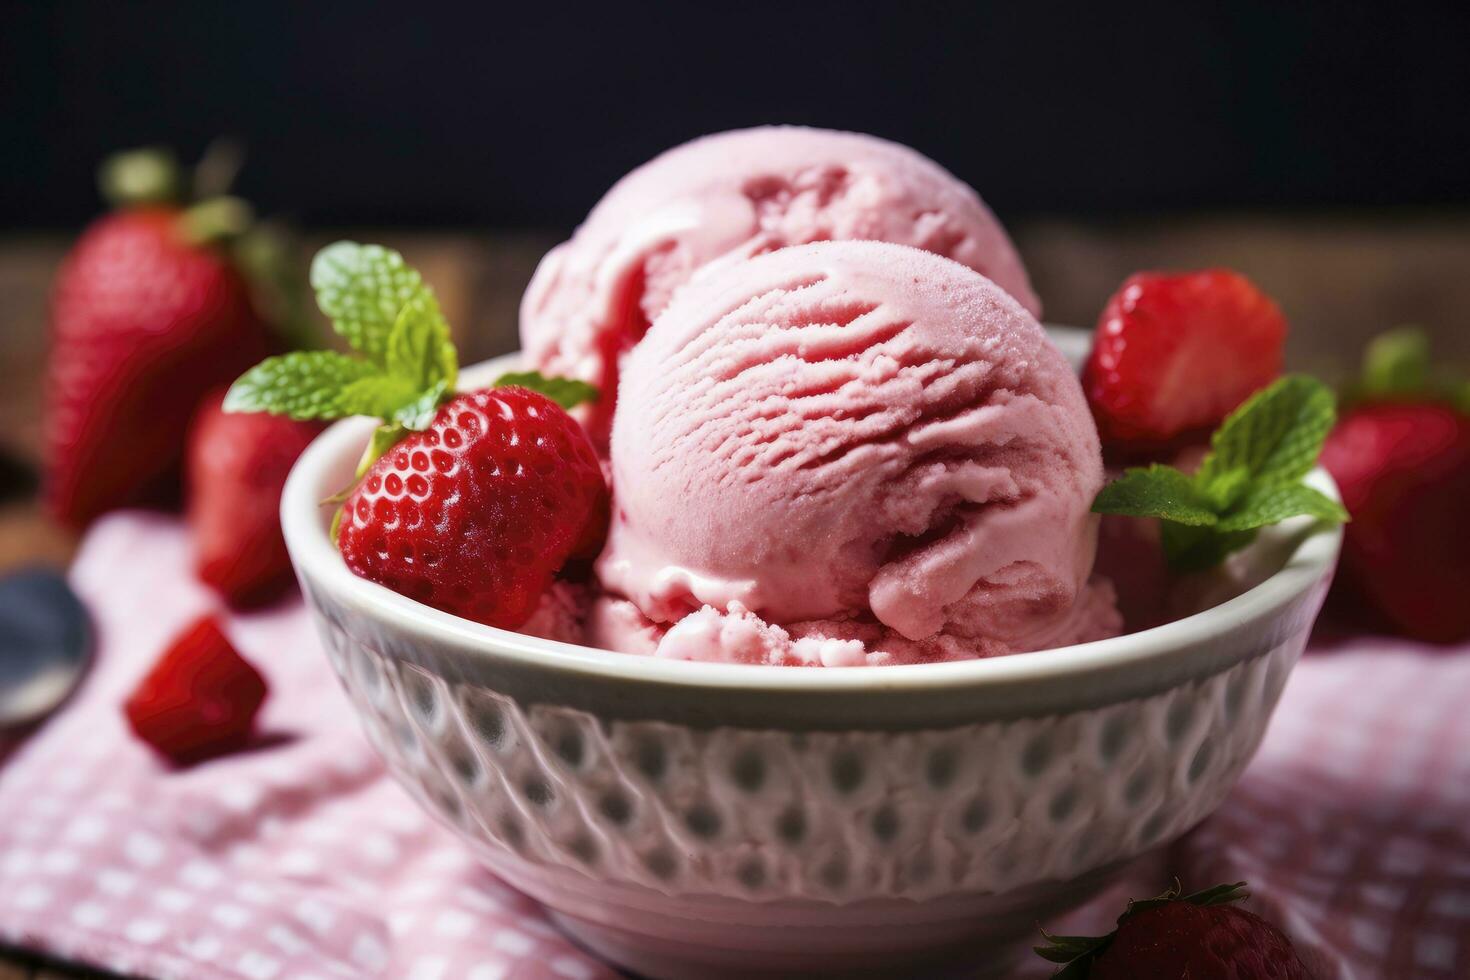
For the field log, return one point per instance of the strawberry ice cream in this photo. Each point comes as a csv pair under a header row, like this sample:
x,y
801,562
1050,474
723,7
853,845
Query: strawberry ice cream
x,y
727,197
849,453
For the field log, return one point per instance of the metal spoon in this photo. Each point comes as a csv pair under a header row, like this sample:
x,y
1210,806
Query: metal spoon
x,y
45,644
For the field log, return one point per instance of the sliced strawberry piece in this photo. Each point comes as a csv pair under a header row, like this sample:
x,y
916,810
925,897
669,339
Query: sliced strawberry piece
x,y
200,698
237,466
1175,353
476,514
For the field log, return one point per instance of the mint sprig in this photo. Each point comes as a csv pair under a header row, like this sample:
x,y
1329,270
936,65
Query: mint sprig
x,y
1250,479
405,364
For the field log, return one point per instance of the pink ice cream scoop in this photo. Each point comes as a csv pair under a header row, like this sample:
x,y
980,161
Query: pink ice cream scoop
x,y
730,196
849,452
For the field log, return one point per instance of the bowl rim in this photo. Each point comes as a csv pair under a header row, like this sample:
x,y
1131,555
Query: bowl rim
x,y
319,564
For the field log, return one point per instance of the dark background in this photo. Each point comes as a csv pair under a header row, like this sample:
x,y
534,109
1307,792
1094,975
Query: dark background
x,y
520,115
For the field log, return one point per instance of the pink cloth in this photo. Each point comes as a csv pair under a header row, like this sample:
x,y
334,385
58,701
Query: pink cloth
x,y
302,859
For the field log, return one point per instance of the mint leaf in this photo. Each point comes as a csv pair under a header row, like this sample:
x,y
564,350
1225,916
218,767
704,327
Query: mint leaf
x,y
1223,489
362,289
1275,436
1272,504
418,413
378,395
566,392
418,348
302,385
1397,363
1158,491
1250,479
1193,548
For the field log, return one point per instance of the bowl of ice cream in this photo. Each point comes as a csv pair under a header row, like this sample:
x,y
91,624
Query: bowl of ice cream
x,y
714,818
842,691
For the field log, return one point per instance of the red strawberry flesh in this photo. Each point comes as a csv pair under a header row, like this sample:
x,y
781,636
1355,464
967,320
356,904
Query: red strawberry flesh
x,y
144,324
476,514
1175,353
237,466
1404,473
1215,942
200,698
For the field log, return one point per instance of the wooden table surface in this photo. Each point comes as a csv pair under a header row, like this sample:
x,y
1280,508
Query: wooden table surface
x,y
1339,278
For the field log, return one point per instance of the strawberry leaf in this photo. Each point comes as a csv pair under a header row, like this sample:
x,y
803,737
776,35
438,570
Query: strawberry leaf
x,y
1276,435
1396,363
362,289
566,392
302,385
385,437
1157,491
1263,505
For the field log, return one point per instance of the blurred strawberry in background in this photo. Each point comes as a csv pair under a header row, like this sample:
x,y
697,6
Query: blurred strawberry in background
x,y
237,465
151,311
1401,457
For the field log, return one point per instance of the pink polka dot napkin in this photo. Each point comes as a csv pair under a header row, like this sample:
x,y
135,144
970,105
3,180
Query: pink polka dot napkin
x,y
301,859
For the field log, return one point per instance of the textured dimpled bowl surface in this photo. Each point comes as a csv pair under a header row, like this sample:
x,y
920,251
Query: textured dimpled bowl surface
x,y
702,819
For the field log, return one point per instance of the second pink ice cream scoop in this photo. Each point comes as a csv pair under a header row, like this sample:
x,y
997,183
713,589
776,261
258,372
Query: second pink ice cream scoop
x,y
850,453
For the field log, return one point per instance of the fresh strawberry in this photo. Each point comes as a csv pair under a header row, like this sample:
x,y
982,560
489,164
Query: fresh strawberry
x,y
1175,353
200,698
476,514
471,503
237,465
147,317
1200,936
1404,473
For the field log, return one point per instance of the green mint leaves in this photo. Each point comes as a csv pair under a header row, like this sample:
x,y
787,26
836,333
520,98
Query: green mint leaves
x,y
1250,479
564,391
405,364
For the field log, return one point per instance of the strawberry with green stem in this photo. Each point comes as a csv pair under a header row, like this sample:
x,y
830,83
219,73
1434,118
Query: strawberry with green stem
x,y
1251,478
1401,456
1203,936
470,503
150,312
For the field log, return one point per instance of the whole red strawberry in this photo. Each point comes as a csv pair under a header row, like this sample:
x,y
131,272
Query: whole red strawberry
x,y
1404,473
476,514
471,503
1200,936
237,465
1175,353
200,698
146,318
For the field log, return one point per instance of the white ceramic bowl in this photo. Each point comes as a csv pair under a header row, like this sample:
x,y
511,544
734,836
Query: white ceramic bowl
x,y
702,820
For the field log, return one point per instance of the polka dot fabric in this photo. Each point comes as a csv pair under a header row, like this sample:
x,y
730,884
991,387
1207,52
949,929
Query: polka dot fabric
x,y
301,859
298,859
